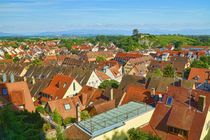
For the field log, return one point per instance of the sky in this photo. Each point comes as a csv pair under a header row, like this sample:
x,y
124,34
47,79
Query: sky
x,y
21,16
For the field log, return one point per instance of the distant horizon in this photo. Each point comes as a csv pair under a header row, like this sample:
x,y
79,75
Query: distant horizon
x,y
29,16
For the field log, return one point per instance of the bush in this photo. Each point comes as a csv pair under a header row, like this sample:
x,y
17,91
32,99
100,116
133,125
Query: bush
x,y
109,83
85,115
40,109
69,120
46,127
56,117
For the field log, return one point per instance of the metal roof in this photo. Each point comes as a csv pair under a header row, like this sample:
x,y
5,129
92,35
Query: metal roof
x,y
114,118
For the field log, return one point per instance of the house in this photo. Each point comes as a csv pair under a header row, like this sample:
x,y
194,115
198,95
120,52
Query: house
x,y
145,60
114,72
183,114
195,48
66,107
139,70
160,83
123,58
91,56
61,87
128,80
96,78
104,125
88,95
138,94
201,78
19,94
101,107
170,47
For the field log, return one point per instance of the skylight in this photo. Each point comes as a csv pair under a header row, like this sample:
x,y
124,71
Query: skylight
x,y
64,85
67,106
169,101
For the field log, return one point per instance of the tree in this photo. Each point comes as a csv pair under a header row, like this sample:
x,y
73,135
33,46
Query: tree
x,y
59,134
74,51
199,64
85,115
7,56
187,72
205,59
46,127
69,120
135,32
56,117
158,72
169,71
109,83
178,45
100,58
37,62
16,124
16,59
40,109
137,134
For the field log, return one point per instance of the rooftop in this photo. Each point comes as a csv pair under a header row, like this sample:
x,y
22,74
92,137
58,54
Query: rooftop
x,y
114,118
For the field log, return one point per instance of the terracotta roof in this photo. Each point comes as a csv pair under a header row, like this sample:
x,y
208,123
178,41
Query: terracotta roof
x,y
201,74
101,75
115,71
19,94
89,94
56,86
138,94
59,105
189,118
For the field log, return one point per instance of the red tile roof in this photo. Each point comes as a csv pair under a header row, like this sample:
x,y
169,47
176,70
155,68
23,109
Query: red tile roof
x,y
101,75
189,119
59,104
201,74
56,86
19,94
89,94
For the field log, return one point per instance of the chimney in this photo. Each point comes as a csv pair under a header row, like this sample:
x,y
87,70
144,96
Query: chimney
x,y
152,92
33,80
78,112
111,94
201,103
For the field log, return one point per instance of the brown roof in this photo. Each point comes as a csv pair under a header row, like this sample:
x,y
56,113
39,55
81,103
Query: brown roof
x,y
128,80
201,74
59,105
75,133
104,106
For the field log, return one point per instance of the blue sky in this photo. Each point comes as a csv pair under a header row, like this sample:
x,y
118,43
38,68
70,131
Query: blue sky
x,y
18,16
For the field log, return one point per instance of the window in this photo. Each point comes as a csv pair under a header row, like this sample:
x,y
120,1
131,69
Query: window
x,y
67,106
64,85
177,131
58,84
74,87
4,91
169,101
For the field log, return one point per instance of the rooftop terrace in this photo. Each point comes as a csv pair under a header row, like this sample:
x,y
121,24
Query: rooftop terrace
x,y
114,118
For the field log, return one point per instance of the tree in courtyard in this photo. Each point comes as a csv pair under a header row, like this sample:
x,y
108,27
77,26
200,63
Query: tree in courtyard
x,y
56,117
158,72
85,115
59,134
37,62
199,64
169,71
109,83
100,58
16,59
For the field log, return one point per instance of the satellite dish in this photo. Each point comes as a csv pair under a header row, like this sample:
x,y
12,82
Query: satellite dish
x,y
4,78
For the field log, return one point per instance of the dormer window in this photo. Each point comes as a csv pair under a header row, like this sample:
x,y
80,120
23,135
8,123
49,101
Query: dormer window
x,y
58,84
196,78
67,106
64,85
169,101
